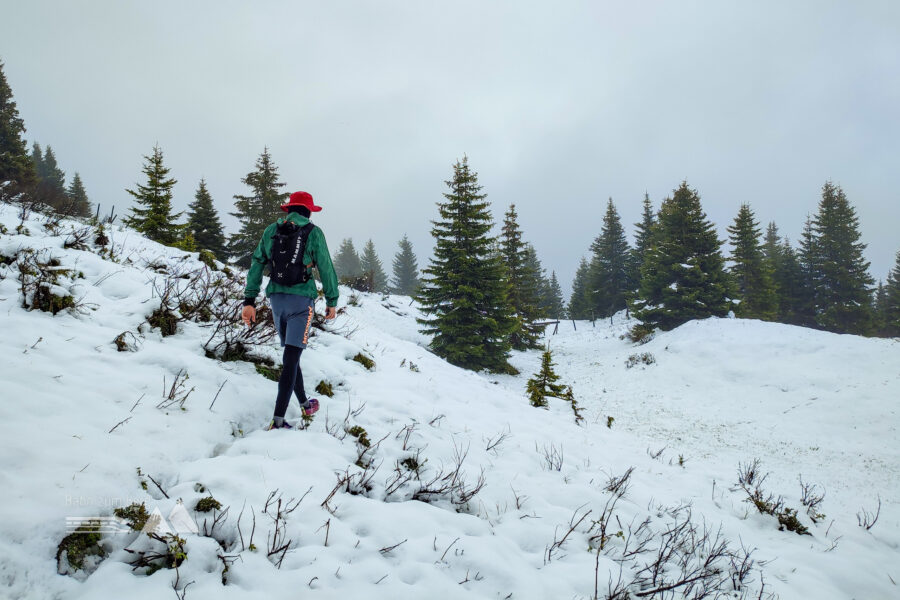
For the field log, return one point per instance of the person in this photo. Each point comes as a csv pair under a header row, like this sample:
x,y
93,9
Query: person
x,y
293,306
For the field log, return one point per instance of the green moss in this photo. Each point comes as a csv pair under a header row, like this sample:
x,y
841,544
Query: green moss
x,y
81,544
361,435
136,515
365,361
208,504
273,373
324,388
165,320
610,421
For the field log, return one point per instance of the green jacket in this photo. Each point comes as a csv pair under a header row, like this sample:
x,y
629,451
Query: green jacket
x,y
316,253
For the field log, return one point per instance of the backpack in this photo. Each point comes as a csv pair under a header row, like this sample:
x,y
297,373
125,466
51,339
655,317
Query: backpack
x,y
288,245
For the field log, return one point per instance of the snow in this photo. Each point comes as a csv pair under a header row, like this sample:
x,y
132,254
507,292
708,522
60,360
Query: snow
x,y
720,392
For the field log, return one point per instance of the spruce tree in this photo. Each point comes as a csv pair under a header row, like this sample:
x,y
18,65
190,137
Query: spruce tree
x,y
37,159
579,307
204,223
844,291
642,242
50,188
406,270
806,311
891,302
372,264
17,174
543,384
153,217
51,173
523,279
554,304
683,276
608,278
751,271
347,264
257,210
80,205
463,292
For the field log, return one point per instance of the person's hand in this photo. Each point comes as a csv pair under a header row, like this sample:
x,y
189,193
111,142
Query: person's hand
x,y
330,313
248,315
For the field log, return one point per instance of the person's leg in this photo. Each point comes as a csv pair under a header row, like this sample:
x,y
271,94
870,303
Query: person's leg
x,y
290,367
298,384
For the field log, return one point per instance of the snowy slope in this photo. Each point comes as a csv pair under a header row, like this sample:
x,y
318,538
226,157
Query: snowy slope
x,y
720,392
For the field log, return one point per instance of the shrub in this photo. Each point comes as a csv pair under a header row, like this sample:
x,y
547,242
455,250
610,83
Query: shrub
x,y
644,358
361,435
324,388
640,334
207,504
365,361
136,515
78,546
208,259
165,320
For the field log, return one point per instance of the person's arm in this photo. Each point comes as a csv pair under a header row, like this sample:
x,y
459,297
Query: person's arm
x,y
258,262
321,256
254,281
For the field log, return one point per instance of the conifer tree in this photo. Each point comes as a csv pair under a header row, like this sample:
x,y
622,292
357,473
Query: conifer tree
x,y
642,241
844,291
806,313
406,270
80,205
891,302
608,279
523,279
153,217
554,306
372,264
347,264
37,159
50,187
578,301
257,210
543,384
683,277
786,276
17,174
51,173
463,293
880,313
204,223
751,271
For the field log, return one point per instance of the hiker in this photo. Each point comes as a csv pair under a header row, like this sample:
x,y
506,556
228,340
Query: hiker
x,y
290,247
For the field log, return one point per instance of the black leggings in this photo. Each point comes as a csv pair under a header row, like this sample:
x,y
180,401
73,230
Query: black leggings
x,y
291,380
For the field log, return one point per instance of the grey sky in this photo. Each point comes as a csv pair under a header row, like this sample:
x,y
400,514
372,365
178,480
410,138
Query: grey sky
x,y
559,105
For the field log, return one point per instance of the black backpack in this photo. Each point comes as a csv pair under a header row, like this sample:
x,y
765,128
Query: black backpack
x,y
288,245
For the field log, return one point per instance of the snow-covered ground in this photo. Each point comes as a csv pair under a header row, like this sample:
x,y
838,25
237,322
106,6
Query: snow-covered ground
x,y
81,434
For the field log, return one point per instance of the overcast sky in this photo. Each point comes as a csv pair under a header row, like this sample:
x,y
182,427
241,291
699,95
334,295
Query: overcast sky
x,y
558,105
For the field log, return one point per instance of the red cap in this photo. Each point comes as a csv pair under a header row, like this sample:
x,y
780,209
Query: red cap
x,y
301,199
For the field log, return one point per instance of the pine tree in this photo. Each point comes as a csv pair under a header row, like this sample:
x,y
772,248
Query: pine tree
x,y
204,223
406,270
683,276
891,302
880,313
17,174
523,279
751,271
155,220
81,206
642,242
553,303
257,210
543,384
347,264
372,264
608,278
844,293
579,308
37,159
463,293
52,174
50,187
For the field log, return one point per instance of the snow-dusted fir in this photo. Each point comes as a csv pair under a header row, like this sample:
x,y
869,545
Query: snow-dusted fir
x,y
257,209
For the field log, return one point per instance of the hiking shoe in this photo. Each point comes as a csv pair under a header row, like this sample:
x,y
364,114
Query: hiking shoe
x,y
284,425
310,408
